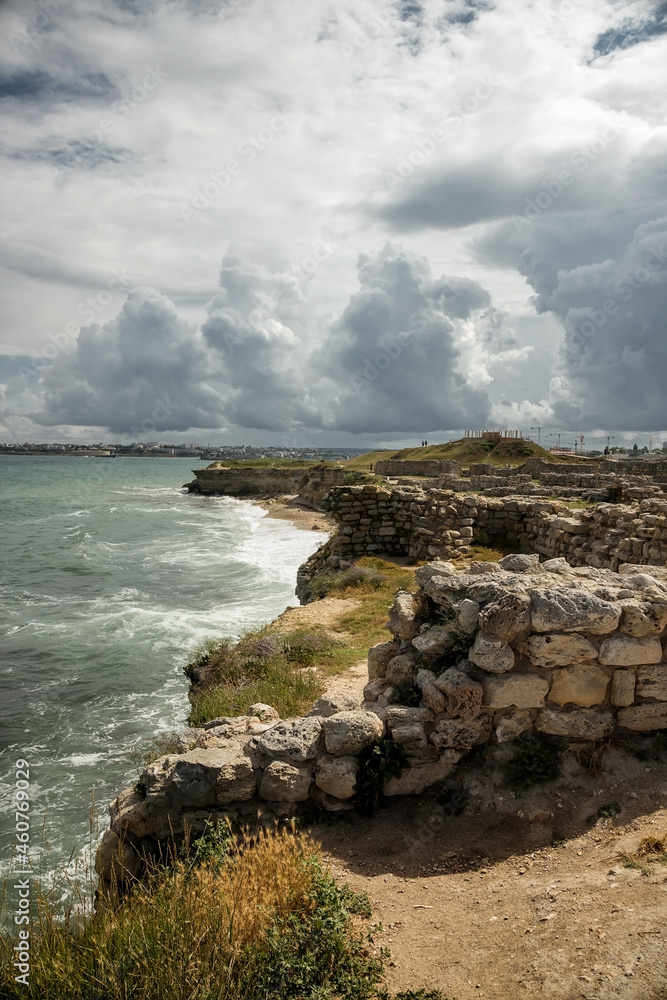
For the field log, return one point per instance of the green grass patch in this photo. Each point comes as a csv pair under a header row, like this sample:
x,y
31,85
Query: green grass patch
x,y
268,667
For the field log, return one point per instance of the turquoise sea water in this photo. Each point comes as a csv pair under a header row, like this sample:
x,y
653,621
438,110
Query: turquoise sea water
x,y
111,575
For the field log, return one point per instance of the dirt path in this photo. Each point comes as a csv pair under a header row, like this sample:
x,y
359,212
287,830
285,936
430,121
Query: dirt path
x,y
482,904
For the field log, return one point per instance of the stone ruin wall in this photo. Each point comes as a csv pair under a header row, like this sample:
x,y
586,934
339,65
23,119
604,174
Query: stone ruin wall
x,y
487,655
441,524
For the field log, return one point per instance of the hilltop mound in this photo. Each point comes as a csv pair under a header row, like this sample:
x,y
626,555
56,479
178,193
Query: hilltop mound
x,y
466,451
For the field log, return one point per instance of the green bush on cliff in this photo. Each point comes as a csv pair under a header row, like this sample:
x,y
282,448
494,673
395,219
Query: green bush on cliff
x,y
261,667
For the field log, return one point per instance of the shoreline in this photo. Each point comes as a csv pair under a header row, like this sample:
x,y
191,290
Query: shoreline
x,y
285,507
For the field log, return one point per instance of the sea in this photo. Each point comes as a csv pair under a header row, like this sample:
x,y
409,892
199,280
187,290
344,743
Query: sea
x,y
111,576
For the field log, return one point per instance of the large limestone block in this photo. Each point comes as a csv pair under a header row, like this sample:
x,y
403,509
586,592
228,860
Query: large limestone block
x,y
512,726
640,618
517,690
580,723
460,734
379,657
236,781
492,655
520,563
623,651
402,616
337,776
463,694
296,740
331,703
506,618
350,732
283,782
555,610
436,641
115,860
584,684
558,649
652,682
644,718
193,778
401,669
421,776
143,817
403,715
571,525
622,688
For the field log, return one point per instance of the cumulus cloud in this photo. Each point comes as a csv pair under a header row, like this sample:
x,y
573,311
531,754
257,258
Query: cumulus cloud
x,y
147,370
250,326
392,353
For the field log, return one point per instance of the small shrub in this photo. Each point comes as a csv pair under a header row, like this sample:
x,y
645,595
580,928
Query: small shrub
x,y
303,647
408,694
385,759
350,478
535,762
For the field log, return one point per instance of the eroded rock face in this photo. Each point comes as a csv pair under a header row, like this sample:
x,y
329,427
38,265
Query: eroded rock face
x,y
623,651
295,740
644,718
115,860
283,782
337,776
580,724
459,734
350,732
236,781
515,690
436,641
463,694
558,649
583,685
492,655
572,611
506,618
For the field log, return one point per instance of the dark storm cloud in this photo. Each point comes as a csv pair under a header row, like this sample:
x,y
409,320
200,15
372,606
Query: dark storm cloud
x,y
254,363
392,356
456,197
632,32
68,154
146,371
41,87
605,278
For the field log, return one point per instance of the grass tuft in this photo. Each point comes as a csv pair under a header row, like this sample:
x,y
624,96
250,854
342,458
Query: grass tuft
x,y
249,921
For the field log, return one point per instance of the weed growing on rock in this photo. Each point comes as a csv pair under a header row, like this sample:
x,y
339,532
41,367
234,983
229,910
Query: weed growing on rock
x,y
408,694
377,763
535,762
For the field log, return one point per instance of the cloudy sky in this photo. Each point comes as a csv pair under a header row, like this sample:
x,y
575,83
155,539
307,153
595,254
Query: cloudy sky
x,y
358,223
